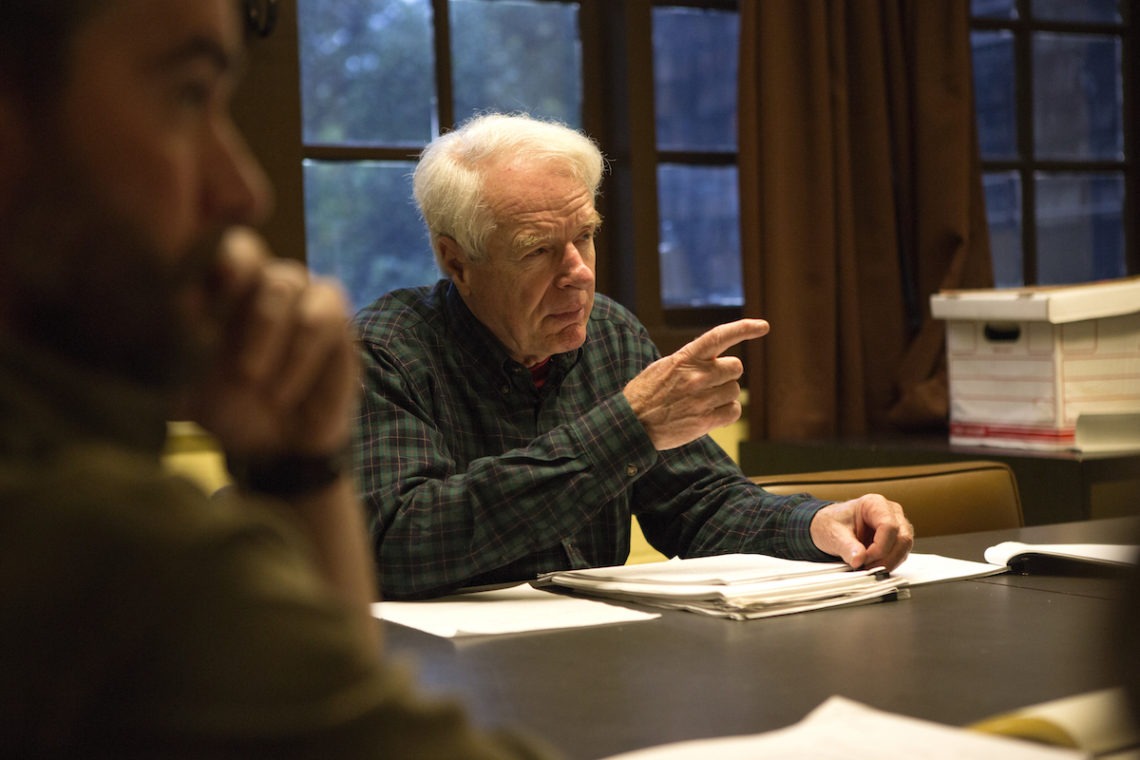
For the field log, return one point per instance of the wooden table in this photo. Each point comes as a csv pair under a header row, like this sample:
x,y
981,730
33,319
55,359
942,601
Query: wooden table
x,y
953,652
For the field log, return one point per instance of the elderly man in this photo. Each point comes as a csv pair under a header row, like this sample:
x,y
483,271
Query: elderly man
x,y
513,419
139,617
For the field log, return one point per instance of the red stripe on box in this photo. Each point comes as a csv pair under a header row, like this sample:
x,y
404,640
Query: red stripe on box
x,y
1018,432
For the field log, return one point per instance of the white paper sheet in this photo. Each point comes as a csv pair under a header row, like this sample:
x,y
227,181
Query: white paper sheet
x,y
841,729
515,609
919,569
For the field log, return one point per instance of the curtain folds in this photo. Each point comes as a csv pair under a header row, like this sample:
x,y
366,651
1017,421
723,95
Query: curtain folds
x,y
860,196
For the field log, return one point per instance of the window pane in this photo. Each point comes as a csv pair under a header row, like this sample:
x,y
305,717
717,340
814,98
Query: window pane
x,y
1003,213
1080,232
993,8
517,55
694,73
363,228
995,93
1091,11
366,72
699,243
1077,97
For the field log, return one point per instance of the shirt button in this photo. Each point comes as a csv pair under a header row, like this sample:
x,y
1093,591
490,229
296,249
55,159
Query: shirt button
x,y
631,470
504,389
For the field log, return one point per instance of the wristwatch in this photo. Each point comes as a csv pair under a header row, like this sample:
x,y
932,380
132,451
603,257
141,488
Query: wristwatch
x,y
289,475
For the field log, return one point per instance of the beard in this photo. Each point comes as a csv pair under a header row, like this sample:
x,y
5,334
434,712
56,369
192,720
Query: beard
x,y
81,280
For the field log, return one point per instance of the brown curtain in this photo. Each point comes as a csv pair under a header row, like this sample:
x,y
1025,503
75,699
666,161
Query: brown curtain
x,y
860,196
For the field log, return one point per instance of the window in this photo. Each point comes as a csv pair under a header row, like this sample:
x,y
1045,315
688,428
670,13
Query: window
x,y
378,80
667,84
1053,97
695,59
653,81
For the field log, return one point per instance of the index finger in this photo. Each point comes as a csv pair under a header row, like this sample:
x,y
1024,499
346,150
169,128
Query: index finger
x,y
713,343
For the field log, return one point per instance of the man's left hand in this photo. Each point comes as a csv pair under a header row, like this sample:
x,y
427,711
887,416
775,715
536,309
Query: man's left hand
x,y
867,532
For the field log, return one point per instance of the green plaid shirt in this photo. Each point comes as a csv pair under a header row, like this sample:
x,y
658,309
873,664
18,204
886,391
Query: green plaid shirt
x,y
471,475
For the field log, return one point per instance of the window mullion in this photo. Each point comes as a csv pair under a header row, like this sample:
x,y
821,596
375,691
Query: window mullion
x,y
445,103
643,162
1023,60
1131,80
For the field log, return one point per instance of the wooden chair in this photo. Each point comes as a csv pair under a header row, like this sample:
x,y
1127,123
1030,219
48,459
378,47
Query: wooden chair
x,y
939,499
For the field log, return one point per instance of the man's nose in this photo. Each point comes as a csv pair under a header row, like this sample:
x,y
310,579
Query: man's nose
x,y
576,270
237,189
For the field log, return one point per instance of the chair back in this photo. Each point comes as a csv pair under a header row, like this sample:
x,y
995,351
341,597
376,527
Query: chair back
x,y
939,499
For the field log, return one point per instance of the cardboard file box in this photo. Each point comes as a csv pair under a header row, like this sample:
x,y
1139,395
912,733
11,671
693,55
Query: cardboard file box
x,y
1047,368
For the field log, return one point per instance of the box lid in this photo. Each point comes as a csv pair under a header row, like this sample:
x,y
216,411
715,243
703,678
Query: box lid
x,y
1055,304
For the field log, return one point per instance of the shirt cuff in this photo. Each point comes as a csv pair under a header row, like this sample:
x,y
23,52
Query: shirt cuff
x,y
800,545
615,442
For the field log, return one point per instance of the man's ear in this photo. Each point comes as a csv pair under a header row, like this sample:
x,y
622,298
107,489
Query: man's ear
x,y
455,263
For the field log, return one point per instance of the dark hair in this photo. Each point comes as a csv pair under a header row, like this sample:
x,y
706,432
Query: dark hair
x,y
35,44
35,41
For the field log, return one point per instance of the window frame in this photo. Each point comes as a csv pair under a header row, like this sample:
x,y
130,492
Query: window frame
x,y
1027,165
621,37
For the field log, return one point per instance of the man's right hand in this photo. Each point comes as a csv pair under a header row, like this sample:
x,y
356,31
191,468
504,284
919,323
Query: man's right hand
x,y
682,396
286,380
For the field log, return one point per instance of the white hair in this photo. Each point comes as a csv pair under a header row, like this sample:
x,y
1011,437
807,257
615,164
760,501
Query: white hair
x,y
448,181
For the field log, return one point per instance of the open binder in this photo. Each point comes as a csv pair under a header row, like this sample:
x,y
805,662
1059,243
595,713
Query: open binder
x,y
1031,558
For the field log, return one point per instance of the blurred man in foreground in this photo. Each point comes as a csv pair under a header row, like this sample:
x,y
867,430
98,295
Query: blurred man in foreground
x,y
140,618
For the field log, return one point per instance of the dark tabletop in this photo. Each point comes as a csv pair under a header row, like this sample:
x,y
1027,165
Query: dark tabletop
x,y
953,652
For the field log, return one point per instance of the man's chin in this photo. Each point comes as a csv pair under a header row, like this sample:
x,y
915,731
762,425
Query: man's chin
x,y
569,339
145,342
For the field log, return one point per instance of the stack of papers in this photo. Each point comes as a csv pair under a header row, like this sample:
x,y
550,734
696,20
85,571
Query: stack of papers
x,y
737,586
522,608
